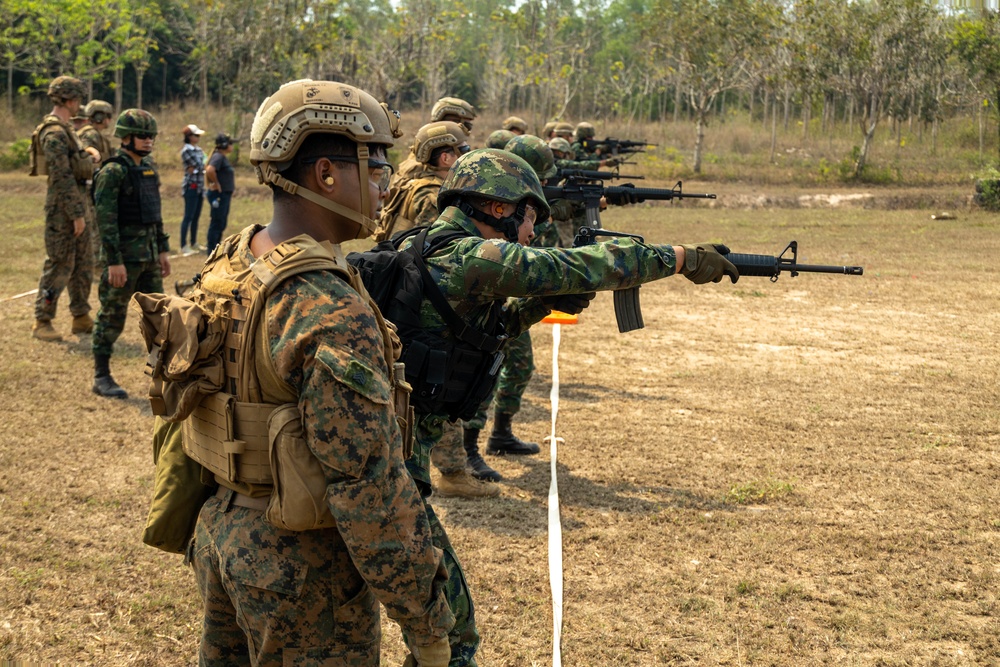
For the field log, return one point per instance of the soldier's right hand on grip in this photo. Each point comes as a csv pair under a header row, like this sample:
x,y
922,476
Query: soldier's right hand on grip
x,y
706,262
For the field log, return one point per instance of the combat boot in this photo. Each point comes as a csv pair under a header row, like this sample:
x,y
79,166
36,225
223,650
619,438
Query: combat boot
x,y
463,485
104,384
503,441
82,324
42,330
480,469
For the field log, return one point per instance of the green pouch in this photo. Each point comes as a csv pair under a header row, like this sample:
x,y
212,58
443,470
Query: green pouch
x,y
178,491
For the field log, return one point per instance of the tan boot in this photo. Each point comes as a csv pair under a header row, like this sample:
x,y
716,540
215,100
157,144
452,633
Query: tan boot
x,y
82,324
42,330
463,485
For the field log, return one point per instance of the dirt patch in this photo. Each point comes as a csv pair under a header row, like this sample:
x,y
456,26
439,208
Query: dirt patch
x,y
856,418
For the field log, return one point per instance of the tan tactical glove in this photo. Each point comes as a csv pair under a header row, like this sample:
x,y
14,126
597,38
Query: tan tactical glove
x,y
437,654
706,262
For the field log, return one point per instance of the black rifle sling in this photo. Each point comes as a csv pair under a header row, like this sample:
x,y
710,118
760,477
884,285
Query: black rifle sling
x,y
459,327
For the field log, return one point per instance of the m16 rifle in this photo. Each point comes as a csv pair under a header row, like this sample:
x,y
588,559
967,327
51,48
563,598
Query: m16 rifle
x,y
612,146
629,313
590,175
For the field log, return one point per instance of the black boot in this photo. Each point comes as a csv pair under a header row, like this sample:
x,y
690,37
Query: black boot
x,y
503,441
104,384
481,470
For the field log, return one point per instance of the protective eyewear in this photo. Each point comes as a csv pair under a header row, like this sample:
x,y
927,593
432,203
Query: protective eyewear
x,y
463,149
530,214
373,164
143,137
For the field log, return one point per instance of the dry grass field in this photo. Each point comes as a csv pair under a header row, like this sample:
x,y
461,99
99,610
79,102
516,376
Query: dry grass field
x,y
793,473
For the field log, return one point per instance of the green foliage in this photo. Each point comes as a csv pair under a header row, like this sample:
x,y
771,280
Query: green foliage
x,y
757,492
15,155
988,189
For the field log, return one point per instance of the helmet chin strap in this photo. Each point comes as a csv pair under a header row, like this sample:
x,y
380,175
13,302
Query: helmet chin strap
x,y
507,225
366,225
131,146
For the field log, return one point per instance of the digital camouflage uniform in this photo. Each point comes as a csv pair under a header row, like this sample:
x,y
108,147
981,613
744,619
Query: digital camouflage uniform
x,y
278,597
136,246
68,259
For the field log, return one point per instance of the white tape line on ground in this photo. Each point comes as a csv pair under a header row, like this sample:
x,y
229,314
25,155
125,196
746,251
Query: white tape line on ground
x,y
555,526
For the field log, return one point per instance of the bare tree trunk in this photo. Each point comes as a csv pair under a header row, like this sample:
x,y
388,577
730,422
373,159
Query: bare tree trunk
x,y
699,138
140,73
752,96
788,105
869,135
677,102
10,88
774,127
767,102
806,113
119,75
850,113
982,131
203,30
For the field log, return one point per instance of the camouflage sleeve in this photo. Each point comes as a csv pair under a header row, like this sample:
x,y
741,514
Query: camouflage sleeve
x,y
424,206
162,238
497,269
591,165
562,209
106,185
326,344
62,183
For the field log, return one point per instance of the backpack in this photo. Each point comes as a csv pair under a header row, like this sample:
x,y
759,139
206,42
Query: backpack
x,y
450,376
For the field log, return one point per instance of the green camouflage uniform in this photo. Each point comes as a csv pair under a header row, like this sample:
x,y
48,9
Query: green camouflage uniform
x,y
91,137
581,153
68,259
277,597
589,164
138,248
472,273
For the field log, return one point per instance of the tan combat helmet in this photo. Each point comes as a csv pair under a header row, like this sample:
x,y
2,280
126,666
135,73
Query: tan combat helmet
x,y
547,130
456,109
564,130
304,107
435,135
98,110
515,124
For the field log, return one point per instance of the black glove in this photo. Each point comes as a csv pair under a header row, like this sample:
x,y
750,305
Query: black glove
x,y
573,304
624,198
706,262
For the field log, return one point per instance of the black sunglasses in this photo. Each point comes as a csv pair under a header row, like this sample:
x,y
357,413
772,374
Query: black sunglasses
x,y
143,137
462,150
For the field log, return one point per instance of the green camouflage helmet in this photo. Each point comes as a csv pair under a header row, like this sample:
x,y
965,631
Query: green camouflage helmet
x,y
494,174
452,106
585,131
560,144
66,88
535,152
515,123
98,107
135,121
499,138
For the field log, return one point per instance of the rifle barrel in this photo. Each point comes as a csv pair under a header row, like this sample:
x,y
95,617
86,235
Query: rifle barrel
x,y
655,193
769,266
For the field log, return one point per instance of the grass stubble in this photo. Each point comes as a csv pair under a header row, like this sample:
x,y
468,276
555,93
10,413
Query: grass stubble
x,y
791,473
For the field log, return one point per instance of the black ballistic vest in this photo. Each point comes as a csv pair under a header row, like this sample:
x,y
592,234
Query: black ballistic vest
x,y
139,195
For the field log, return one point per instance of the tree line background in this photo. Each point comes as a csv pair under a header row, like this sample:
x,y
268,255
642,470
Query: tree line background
x,y
857,64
